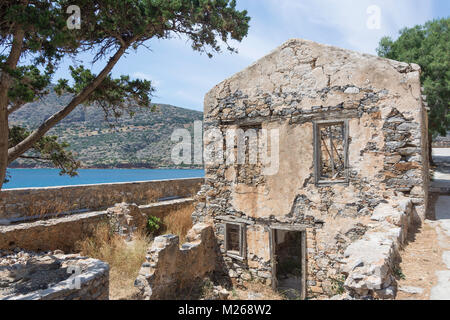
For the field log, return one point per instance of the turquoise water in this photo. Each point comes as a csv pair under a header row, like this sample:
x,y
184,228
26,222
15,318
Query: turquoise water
x,y
27,178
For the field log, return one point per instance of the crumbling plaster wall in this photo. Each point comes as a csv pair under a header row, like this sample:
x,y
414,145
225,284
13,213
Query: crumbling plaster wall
x,y
298,83
170,270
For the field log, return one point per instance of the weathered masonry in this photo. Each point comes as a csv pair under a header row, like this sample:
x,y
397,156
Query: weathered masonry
x,y
21,205
52,218
352,155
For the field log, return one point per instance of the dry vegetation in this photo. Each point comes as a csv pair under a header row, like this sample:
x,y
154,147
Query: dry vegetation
x,y
255,290
40,208
178,223
124,258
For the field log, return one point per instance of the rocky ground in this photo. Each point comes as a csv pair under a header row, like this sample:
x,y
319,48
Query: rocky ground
x,y
19,273
425,268
24,272
257,291
214,289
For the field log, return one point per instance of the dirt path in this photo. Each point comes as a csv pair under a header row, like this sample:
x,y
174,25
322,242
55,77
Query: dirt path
x,y
425,266
421,258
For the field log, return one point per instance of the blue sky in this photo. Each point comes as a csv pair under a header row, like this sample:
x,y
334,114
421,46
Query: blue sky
x,y
182,76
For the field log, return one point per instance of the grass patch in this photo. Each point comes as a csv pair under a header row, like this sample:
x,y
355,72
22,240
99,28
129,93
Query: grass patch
x,y
124,258
178,223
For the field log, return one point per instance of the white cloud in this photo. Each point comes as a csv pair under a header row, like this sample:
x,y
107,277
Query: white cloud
x,y
347,19
182,76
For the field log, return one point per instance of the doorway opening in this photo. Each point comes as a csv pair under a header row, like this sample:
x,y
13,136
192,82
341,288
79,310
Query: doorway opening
x,y
289,262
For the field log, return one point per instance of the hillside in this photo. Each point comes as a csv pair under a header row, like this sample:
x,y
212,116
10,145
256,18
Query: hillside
x,y
139,141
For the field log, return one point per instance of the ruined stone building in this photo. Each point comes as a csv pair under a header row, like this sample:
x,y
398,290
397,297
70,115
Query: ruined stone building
x,y
352,170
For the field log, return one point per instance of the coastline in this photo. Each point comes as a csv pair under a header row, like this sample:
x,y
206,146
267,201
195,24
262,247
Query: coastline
x,y
51,177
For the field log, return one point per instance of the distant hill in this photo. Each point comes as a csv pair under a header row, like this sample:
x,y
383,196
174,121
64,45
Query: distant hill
x,y
139,141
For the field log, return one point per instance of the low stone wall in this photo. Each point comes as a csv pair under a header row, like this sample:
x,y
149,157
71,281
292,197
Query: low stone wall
x,y
442,142
89,279
52,234
170,269
370,261
17,203
63,232
94,285
165,208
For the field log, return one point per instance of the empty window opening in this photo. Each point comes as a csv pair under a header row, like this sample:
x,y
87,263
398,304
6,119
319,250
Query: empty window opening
x,y
247,144
331,152
234,239
246,152
289,263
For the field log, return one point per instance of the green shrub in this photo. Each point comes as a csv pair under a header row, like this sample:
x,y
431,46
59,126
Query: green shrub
x,y
153,224
338,284
398,273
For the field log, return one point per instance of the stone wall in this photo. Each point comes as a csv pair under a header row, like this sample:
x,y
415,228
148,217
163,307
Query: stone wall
x,y
51,234
17,203
28,271
442,142
63,232
370,262
296,85
170,270
165,208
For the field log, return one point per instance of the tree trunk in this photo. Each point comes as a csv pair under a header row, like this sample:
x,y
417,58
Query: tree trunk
x,y
5,82
16,151
3,139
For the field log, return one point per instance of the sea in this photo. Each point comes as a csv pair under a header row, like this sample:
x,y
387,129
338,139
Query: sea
x,y
31,178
